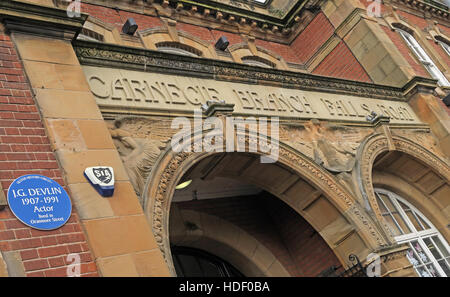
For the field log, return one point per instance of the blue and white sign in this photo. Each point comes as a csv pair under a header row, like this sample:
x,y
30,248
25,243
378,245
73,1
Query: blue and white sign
x,y
39,202
102,179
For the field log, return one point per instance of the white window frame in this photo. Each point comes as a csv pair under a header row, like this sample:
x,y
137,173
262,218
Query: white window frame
x,y
416,235
423,57
445,46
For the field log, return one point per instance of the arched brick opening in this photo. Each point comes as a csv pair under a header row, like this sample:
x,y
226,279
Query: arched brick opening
x,y
303,185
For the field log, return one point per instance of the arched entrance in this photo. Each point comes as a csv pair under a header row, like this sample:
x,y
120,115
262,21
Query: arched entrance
x,y
295,179
408,189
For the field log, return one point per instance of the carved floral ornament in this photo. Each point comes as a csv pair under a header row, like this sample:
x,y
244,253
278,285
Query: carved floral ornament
x,y
171,167
377,144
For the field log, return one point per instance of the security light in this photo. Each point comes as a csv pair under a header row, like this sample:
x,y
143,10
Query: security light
x,y
130,26
222,43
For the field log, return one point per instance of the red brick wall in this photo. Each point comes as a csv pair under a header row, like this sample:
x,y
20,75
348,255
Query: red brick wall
x,y
341,63
200,32
310,252
312,38
284,51
406,52
25,149
280,229
119,17
107,15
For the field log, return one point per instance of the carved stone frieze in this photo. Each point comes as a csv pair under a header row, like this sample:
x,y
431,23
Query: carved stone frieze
x,y
329,145
90,53
139,142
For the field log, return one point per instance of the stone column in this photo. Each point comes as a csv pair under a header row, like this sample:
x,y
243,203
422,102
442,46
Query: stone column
x,y
116,228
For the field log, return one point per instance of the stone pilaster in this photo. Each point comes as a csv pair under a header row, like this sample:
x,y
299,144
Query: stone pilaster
x,y
116,228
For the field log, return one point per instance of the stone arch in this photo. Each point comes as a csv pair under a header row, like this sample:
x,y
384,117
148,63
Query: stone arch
x,y
241,51
153,36
227,241
108,32
423,177
329,208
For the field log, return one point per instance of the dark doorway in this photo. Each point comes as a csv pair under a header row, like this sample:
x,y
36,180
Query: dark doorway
x,y
191,262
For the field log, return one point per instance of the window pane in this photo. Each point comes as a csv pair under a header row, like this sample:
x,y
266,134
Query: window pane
x,y
432,248
444,265
432,270
394,229
402,223
388,202
441,246
446,47
381,205
424,224
414,221
412,257
423,272
403,205
420,252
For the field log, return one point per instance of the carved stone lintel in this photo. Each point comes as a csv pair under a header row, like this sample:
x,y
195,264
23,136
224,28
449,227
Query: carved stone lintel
x,y
97,54
394,262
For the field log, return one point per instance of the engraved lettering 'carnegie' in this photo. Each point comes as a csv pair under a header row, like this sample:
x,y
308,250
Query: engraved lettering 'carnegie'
x,y
133,89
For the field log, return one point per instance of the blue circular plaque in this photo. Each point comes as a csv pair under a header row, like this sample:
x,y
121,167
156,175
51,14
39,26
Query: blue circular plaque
x,y
39,202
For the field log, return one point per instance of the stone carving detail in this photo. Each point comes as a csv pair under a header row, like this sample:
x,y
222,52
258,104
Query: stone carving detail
x,y
425,138
138,147
330,146
146,60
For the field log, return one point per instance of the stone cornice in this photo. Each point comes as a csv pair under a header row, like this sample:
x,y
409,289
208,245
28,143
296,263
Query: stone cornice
x,y
109,55
26,17
426,6
265,26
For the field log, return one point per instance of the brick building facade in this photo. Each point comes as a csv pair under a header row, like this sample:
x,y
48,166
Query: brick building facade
x,y
362,135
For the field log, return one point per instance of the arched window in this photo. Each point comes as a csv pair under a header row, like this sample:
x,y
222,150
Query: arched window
x,y
428,251
178,48
191,262
423,57
257,61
